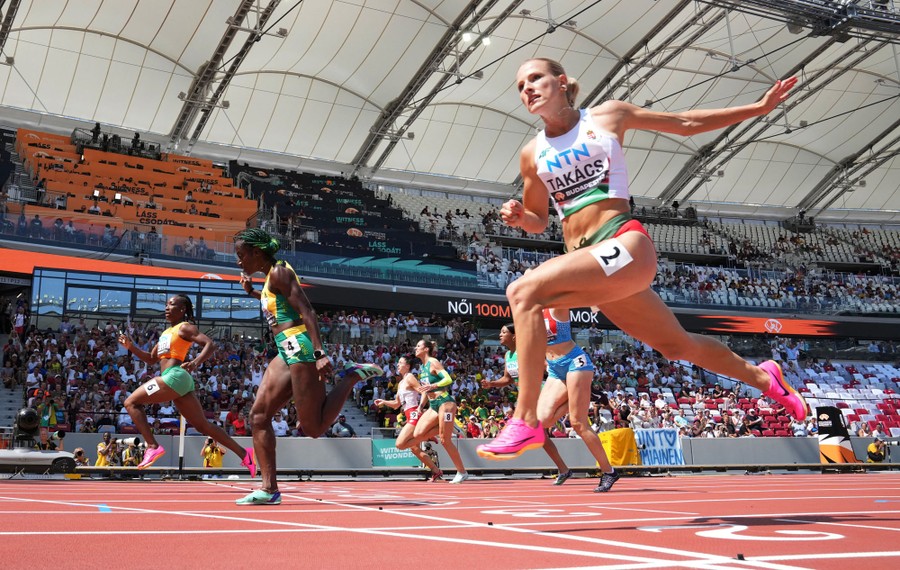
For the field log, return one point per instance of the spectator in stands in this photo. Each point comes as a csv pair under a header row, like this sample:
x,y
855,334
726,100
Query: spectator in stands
x,y
95,208
37,228
150,204
190,247
189,197
341,428
754,420
863,430
279,425
95,133
202,249
40,190
20,321
153,242
608,250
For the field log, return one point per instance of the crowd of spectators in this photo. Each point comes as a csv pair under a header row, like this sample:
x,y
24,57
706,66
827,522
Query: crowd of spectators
x,y
798,289
78,377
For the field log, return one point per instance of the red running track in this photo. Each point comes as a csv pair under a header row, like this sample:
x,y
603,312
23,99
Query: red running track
x,y
839,521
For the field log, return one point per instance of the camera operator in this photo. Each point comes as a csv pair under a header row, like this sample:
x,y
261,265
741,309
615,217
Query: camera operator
x,y
81,459
107,452
875,452
212,454
132,455
48,442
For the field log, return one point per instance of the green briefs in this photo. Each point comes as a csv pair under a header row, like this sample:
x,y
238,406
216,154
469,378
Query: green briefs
x,y
436,403
295,346
178,379
606,231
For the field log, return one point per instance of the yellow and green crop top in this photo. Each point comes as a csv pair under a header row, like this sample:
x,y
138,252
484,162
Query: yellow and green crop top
x,y
171,345
276,308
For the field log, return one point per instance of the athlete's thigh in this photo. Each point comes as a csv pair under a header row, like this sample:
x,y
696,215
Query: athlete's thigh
x,y
608,271
553,401
309,390
578,384
427,422
407,435
645,317
275,388
447,416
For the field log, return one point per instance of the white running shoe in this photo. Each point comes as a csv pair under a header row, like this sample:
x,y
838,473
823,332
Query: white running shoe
x,y
459,478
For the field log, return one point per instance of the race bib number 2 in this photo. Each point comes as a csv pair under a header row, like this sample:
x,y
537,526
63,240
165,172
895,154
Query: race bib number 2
x,y
611,255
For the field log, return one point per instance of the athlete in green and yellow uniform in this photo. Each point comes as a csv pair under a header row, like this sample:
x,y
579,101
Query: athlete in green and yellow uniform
x,y
301,362
441,413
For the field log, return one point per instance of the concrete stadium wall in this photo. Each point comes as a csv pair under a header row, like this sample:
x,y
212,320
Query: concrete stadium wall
x,y
356,453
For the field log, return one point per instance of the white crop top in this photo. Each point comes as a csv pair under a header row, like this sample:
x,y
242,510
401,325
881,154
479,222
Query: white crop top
x,y
581,167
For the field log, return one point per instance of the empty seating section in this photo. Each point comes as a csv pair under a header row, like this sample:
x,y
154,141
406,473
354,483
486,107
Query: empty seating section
x,y
864,392
414,205
341,213
180,196
686,239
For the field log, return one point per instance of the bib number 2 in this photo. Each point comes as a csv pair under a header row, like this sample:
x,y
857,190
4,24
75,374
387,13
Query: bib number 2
x,y
611,255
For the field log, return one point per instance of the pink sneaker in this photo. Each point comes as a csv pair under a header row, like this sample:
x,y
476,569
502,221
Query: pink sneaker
x,y
150,456
781,392
249,461
512,441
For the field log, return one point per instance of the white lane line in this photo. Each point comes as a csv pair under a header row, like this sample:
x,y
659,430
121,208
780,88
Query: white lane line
x,y
847,525
456,524
829,556
707,559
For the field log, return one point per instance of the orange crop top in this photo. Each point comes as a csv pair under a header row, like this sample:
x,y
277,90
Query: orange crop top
x,y
171,345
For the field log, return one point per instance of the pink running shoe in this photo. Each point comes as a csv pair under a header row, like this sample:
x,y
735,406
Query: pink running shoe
x,y
151,455
249,461
781,392
512,441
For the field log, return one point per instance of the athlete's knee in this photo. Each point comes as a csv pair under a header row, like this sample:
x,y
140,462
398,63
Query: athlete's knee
x,y
313,430
132,403
259,418
522,294
579,425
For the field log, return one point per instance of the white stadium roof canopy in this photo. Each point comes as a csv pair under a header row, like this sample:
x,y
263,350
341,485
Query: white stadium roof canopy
x,y
411,92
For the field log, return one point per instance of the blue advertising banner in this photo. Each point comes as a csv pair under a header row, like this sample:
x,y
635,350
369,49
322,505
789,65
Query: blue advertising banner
x,y
659,446
385,454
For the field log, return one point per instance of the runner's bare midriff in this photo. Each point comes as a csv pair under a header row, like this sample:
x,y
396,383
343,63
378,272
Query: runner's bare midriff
x,y
588,220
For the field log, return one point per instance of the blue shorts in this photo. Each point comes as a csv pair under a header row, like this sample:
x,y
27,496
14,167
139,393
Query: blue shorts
x,y
575,361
